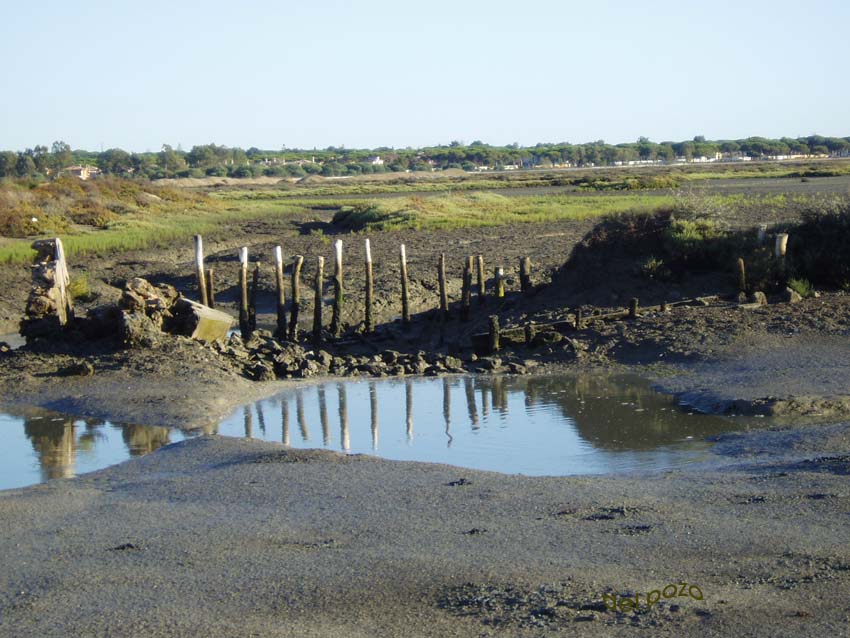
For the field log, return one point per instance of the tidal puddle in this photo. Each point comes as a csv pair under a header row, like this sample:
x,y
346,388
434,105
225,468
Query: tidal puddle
x,y
554,425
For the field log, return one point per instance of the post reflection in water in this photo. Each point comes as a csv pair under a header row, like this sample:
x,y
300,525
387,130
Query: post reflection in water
x,y
567,425
408,408
284,420
373,405
447,409
63,446
55,444
469,390
484,389
299,415
249,422
323,415
343,417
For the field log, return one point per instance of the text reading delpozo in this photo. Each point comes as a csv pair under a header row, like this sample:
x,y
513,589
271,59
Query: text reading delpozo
x,y
627,604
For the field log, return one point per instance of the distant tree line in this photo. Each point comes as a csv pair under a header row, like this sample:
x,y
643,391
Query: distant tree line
x,y
222,161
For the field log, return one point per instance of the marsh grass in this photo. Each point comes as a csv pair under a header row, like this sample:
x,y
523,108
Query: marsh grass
x,y
478,209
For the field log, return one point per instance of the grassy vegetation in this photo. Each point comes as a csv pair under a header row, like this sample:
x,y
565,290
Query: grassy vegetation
x,y
482,209
110,215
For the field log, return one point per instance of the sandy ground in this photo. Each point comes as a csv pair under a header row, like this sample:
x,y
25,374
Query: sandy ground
x,y
223,537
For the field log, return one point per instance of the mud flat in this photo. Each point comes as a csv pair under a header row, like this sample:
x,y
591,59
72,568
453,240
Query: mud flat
x,y
224,537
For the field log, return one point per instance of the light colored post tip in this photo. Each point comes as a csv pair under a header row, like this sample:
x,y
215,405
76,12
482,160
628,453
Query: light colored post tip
x,y
278,255
243,255
368,252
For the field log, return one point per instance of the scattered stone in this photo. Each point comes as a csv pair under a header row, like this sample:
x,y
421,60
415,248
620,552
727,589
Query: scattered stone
x,y
79,369
5,347
137,330
758,297
792,296
261,371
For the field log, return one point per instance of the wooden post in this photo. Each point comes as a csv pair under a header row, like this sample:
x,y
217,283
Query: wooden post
x,y
370,290
252,298
336,315
211,287
633,308
579,323
479,263
444,297
495,346
297,262
500,283
281,294
742,276
780,249
664,306
529,333
405,304
525,274
244,324
317,301
199,270
466,294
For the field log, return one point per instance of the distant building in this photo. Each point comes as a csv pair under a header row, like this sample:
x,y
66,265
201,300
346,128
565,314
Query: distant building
x,y
83,172
375,161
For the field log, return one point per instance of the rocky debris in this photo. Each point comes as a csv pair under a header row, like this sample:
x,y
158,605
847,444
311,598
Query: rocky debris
x,y
157,303
5,347
137,330
49,306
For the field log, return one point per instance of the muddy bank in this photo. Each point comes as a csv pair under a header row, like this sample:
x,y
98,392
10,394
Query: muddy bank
x,y
226,537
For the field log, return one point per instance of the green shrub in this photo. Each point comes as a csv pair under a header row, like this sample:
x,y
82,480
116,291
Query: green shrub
x,y
801,286
819,248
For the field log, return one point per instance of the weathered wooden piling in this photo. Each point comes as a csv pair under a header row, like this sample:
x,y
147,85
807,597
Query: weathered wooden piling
x,y
742,275
663,306
252,297
495,344
317,301
525,274
500,282
579,322
444,297
199,270
780,250
370,290
633,308
528,333
336,314
405,302
466,292
281,294
211,287
244,324
479,265
297,262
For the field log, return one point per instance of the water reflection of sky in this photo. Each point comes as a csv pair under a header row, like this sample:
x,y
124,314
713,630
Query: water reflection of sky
x,y
526,425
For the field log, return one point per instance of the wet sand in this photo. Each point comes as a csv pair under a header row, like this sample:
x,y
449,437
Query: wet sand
x,y
223,537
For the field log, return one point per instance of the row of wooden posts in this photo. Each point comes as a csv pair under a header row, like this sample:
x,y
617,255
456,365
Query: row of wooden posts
x,y
288,330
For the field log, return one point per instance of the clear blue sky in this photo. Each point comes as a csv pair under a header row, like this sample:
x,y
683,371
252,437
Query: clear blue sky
x,y
136,75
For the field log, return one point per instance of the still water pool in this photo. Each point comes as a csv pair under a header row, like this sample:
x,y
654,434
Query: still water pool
x,y
553,425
